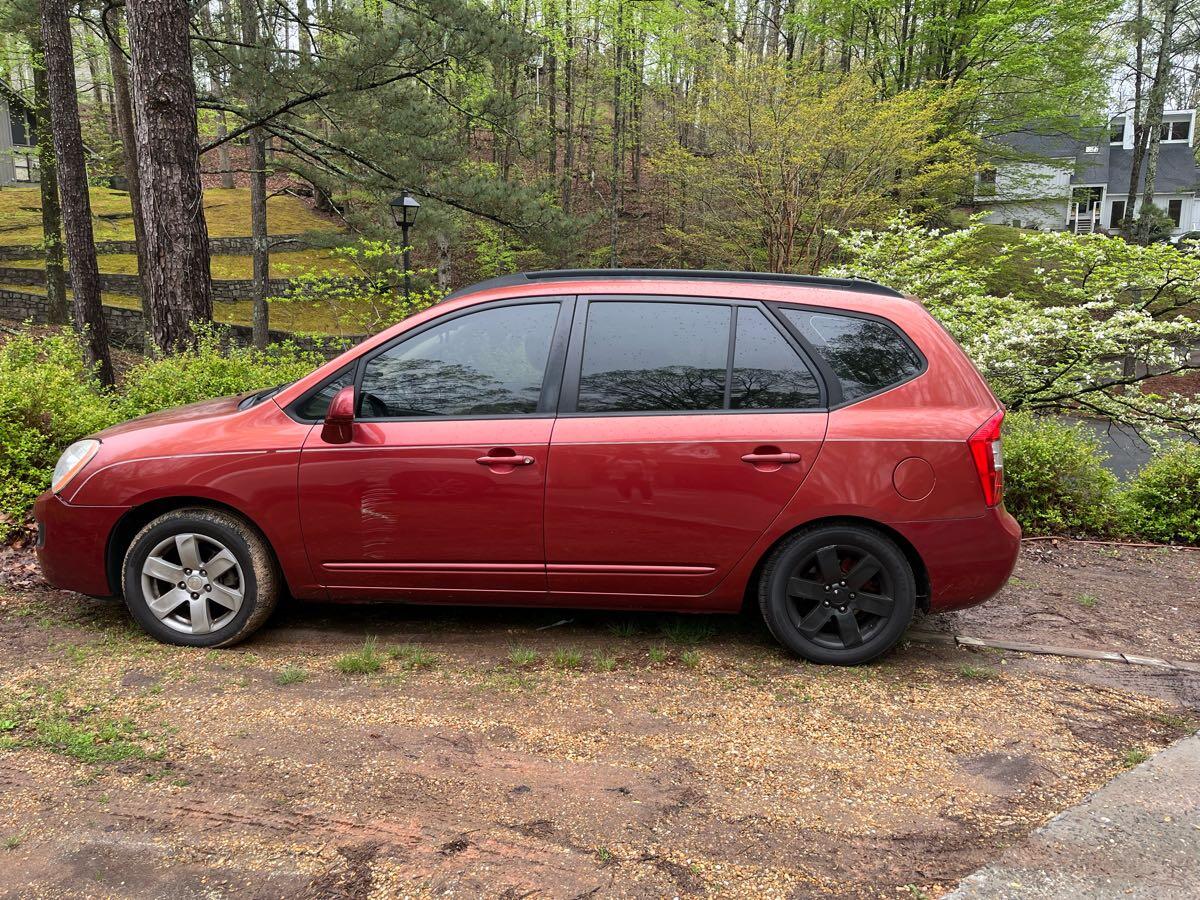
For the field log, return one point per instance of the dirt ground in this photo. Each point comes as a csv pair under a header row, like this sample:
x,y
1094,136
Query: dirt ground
x,y
507,753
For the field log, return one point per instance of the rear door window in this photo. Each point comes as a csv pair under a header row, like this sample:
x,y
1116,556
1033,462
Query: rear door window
x,y
867,355
767,372
647,356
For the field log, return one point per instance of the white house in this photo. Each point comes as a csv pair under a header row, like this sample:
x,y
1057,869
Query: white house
x,y
18,140
1080,182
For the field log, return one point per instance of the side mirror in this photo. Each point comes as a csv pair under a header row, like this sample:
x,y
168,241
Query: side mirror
x,y
339,420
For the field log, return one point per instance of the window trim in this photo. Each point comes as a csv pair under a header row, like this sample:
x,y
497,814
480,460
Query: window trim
x,y
569,395
293,408
836,397
551,381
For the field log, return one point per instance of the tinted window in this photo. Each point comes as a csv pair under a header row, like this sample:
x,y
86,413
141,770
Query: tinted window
x,y
865,354
486,363
654,356
317,405
767,372
16,120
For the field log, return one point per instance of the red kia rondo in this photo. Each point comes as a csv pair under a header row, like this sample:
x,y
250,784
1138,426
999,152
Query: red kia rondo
x,y
624,439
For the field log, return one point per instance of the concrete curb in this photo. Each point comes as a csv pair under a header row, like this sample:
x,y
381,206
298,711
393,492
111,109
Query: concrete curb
x,y
1138,836
1133,659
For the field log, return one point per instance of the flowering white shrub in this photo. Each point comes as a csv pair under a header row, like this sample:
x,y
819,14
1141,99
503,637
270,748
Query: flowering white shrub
x,y
1071,328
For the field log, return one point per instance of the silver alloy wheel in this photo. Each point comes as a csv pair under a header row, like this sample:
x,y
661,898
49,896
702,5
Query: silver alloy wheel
x,y
193,583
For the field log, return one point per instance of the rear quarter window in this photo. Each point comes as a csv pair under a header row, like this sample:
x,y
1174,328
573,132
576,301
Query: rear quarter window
x,y
867,355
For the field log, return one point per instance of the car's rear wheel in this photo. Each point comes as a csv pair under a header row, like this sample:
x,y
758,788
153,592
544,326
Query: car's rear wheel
x,y
200,578
840,594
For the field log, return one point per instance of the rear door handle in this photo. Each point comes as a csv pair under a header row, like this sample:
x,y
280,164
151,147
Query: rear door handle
x,y
771,459
513,460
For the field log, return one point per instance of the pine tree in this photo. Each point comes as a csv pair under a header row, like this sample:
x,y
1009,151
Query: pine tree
x,y
168,158
73,186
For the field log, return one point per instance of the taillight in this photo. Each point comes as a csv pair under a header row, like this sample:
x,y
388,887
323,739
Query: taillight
x,y
988,458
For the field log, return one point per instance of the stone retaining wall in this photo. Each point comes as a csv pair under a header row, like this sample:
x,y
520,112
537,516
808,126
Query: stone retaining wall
x,y
224,290
216,245
126,327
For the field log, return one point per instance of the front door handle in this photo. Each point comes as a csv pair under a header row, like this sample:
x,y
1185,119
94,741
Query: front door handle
x,y
771,459
504,460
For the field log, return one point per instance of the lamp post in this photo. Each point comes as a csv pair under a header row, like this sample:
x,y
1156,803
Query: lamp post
x,y
404,213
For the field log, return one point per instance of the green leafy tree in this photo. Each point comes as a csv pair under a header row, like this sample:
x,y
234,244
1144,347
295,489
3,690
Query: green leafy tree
x,y
1090,321
790,153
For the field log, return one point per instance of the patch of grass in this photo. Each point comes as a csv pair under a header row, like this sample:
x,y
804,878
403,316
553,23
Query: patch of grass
x,y
97,740
13,841
690,658
659,654
1171,720
366,661
623,629
1087,601
567,658
1134,756
688,631
979,673
413,657
307,318
604,855
522,656
291,675
604,662
507,681
226,211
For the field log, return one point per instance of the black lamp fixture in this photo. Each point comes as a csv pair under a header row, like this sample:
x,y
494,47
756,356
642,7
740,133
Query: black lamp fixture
x,y
404,214
404,210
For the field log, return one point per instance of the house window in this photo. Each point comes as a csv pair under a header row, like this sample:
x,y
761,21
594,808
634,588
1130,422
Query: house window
x,y
24,167
987,176
1175,131
1117,215
21,124
1175,211
1116,131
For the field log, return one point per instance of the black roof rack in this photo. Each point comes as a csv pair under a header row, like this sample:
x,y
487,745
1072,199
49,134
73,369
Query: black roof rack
x,y
843,284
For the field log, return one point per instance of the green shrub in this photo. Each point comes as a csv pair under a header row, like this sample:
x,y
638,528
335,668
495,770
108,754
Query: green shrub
x,y
1162,502
210,370
1055,480
48,399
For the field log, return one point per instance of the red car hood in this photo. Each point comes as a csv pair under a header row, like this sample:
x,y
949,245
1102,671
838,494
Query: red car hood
x,y
193,412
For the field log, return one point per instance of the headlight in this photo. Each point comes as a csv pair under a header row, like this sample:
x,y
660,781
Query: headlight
x,y
74,458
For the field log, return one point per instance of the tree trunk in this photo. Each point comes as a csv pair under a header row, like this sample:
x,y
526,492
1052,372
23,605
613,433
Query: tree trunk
x,y
568,110
444,271
124,112
552,85
73,184
1137,118
56,277
302,23
1154,114
256,156
617,138
168,155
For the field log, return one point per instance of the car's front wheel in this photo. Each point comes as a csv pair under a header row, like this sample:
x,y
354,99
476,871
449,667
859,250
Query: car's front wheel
x,y
200,578
840,594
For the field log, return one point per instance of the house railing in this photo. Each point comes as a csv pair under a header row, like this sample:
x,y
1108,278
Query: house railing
x,y
1085,220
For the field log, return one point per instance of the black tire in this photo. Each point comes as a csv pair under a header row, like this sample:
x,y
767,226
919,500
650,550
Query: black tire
x,y
254,575
807,598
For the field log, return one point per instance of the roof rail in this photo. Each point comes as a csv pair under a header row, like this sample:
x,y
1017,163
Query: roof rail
x,y
843,284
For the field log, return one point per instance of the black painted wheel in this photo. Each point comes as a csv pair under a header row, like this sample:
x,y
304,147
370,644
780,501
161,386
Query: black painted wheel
x,y
838,594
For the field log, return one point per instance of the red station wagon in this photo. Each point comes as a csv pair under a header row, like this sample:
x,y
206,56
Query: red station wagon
x,y
621,439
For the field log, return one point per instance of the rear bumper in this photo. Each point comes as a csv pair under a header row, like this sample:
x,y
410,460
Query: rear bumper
x,y
71,544
968,560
